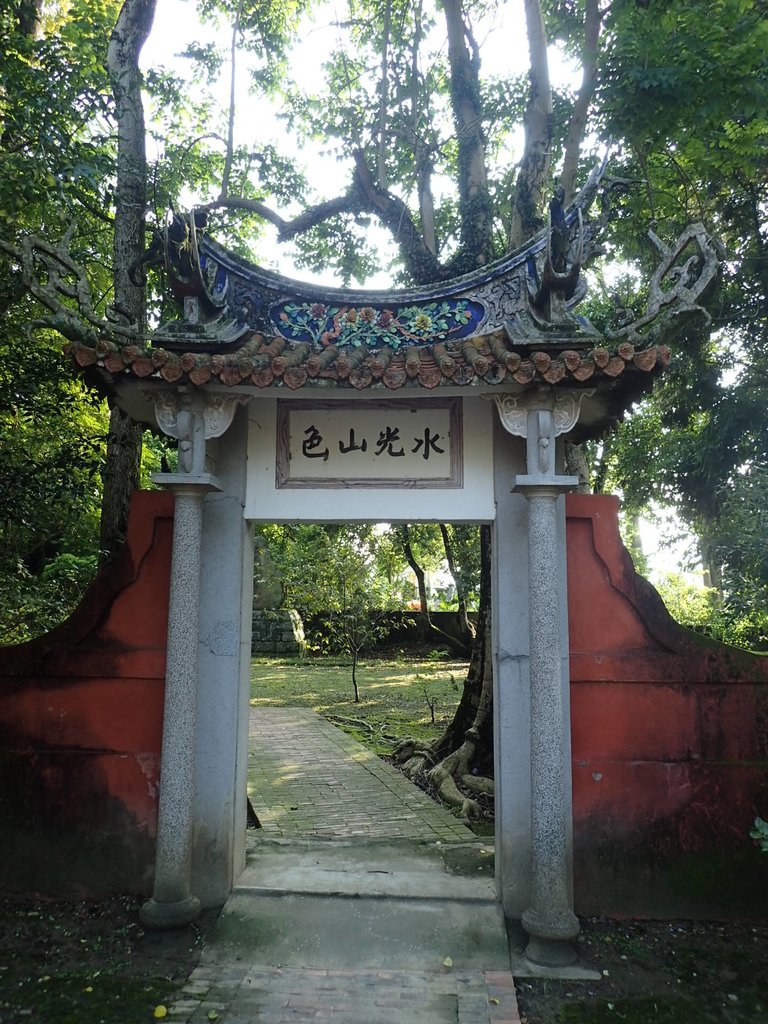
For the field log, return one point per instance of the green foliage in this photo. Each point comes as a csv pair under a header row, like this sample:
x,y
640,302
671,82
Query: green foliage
x,y
56,166
760,834
694,134
30,605
56,157
691,605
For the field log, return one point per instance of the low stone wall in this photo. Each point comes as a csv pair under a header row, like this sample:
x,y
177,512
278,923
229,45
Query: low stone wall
x,y
407,627
279,632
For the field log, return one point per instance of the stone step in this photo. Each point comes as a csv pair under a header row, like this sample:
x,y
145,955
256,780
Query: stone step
x,y
359,932
384,868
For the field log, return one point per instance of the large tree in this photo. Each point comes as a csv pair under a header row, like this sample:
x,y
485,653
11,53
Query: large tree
x,y
695,147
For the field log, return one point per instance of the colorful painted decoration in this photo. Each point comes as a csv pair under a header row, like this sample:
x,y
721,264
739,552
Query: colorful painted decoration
x,y
366,325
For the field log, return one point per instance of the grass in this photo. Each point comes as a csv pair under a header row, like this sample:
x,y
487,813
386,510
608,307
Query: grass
x,y
399,697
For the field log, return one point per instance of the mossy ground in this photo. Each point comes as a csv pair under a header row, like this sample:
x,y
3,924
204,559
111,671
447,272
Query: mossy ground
x,y
79,962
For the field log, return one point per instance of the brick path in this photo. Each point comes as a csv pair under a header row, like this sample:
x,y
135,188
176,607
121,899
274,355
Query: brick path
x,y
280,995
309,780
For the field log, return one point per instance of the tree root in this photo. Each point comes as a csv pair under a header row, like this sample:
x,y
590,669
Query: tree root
x,y
413,758
443,776
479,783
416,761
356,723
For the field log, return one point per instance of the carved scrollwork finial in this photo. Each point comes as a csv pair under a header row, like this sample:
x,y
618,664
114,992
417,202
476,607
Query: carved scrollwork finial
x,y
685,272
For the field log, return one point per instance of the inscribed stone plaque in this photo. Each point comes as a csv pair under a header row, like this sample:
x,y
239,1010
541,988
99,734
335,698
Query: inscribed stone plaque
x,y
371,444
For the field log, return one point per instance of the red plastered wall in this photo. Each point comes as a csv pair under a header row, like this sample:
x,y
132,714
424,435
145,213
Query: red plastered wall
x,y
670,743
81,724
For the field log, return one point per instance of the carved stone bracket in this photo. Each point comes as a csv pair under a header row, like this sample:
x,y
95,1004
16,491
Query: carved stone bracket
x,y
173,407
540,417
565,407
193,418
685,272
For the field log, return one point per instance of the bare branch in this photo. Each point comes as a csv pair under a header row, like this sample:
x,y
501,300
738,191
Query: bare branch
x,y
363,197
250,205
420,261
230,154
314,215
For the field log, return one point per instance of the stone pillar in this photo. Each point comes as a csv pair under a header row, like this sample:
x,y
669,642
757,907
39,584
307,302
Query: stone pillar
x,y
511,686
549,921
172,904
191,418
549,918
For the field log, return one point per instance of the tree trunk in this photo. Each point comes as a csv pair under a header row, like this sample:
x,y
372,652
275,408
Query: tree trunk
x,y
121,475
467,629
475,206
576,464
418,572
711,568
120,478
430,630
29,15
479,674
354,675
578,123
464,753
533,178
381,146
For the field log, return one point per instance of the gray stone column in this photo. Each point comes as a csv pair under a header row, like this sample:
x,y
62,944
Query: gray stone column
x,y
549,918
549,921
172,904
190,417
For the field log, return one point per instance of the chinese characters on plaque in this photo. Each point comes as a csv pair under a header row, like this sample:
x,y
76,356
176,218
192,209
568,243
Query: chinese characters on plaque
x,y
373,444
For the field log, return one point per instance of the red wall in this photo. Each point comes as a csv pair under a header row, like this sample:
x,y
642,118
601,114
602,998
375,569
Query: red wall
x,y
670,743
670,737
80,727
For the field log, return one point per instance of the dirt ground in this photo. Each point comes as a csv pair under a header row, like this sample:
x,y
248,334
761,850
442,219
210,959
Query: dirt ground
x,y
74,962
659,972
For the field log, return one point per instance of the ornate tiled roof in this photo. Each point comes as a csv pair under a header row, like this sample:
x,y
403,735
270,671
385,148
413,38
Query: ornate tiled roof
x,y
266,362
506,327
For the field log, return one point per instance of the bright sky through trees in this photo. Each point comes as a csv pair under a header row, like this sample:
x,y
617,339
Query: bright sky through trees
x,y
503,46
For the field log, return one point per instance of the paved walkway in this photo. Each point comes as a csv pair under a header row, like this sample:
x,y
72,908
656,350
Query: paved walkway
x,y
315,788
307,778
279,995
